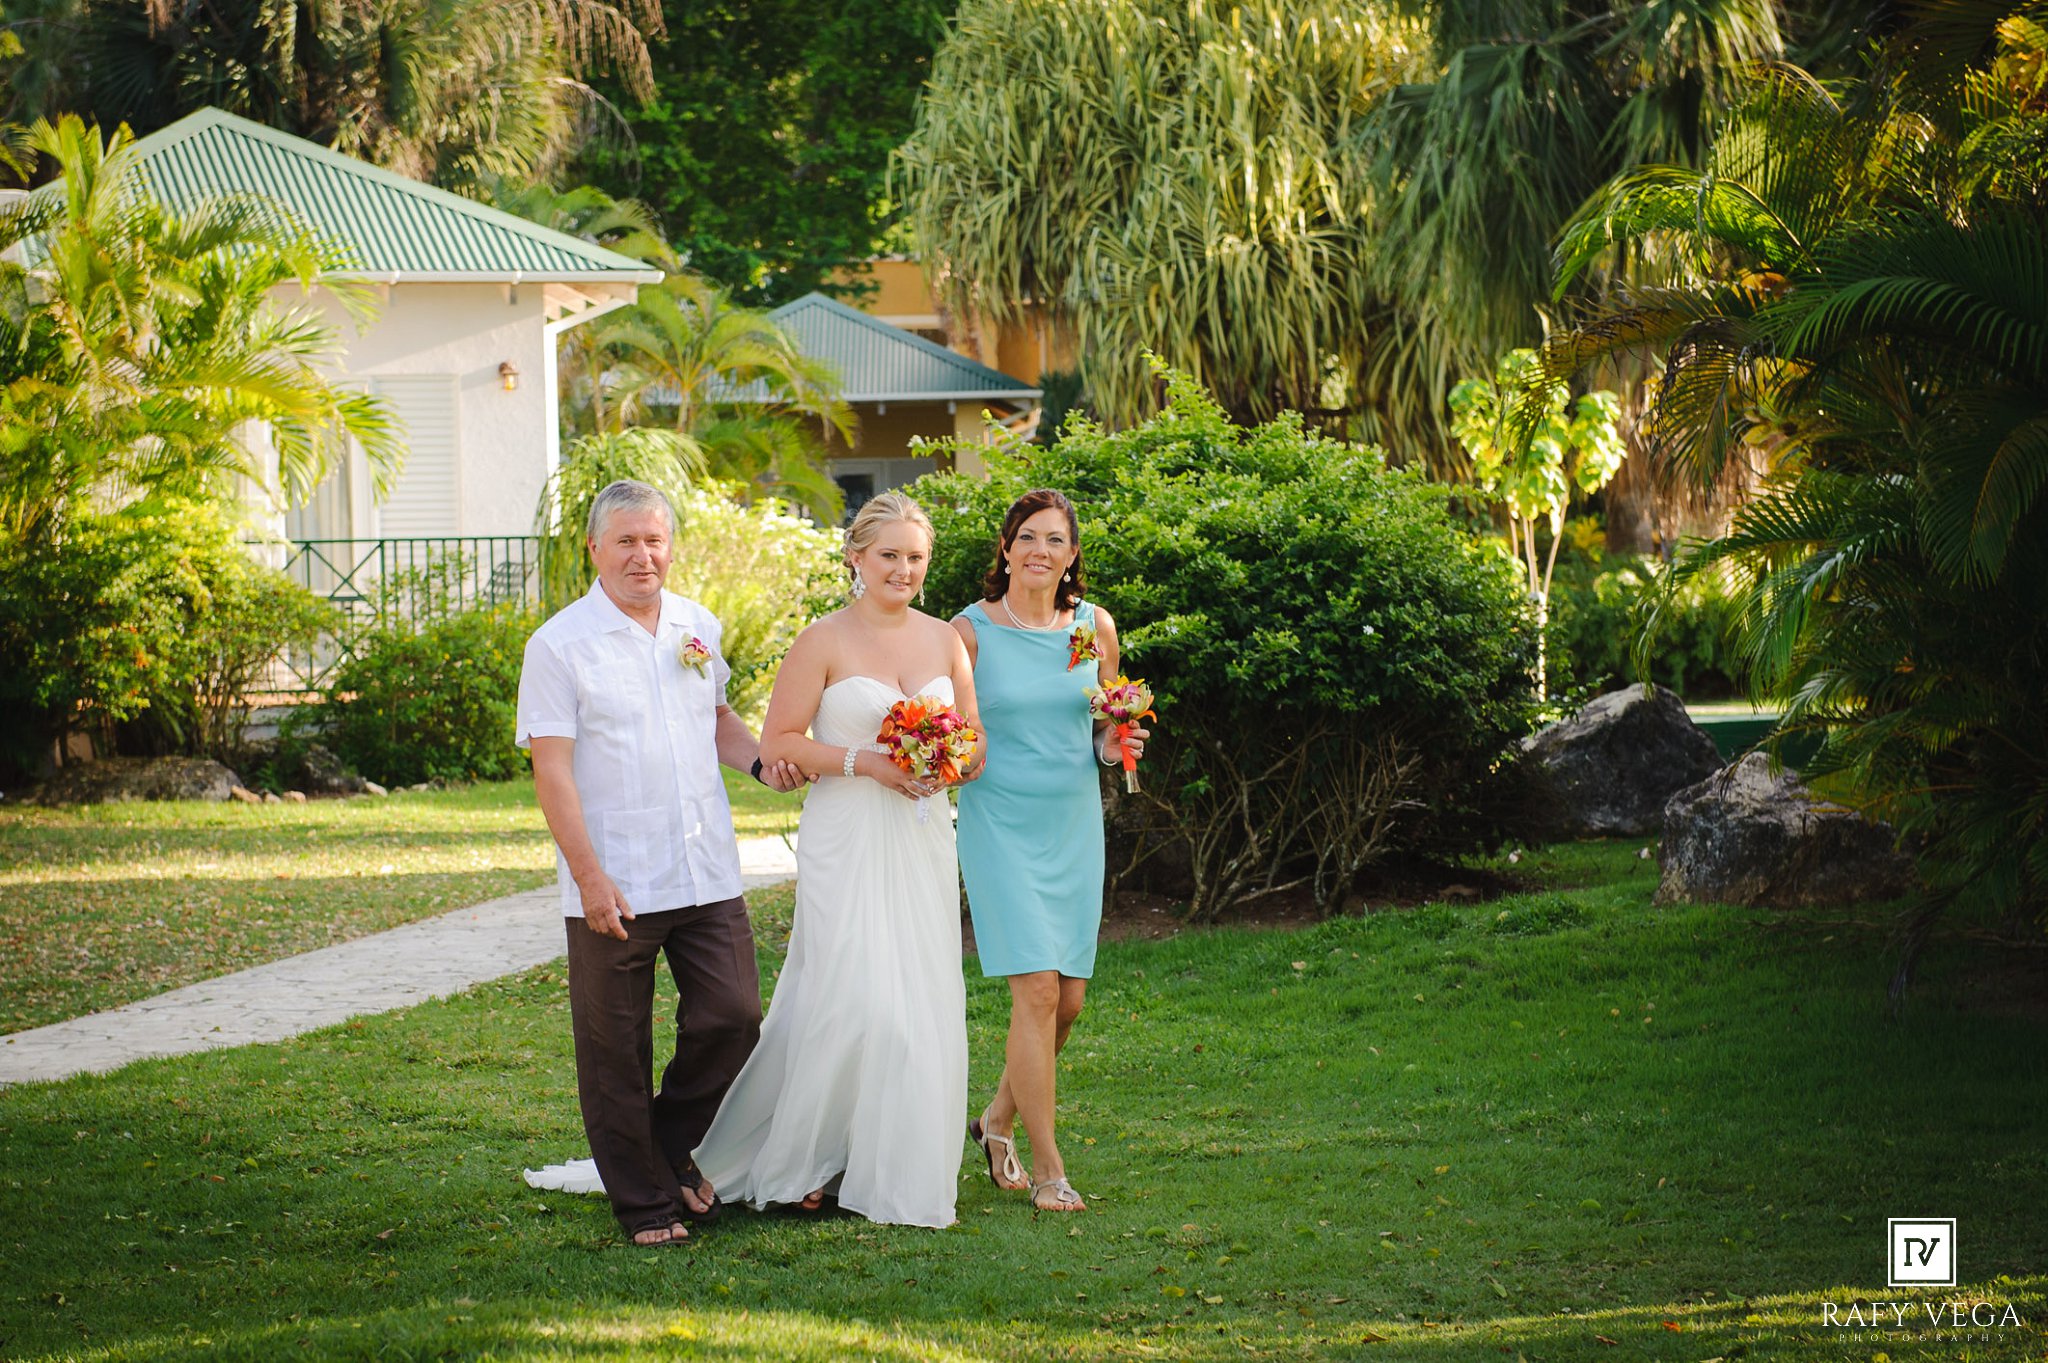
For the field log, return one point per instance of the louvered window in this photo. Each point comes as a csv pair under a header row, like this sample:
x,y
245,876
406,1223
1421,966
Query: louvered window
x,y
426,500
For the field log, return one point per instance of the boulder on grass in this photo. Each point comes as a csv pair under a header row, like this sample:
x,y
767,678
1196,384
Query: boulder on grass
x,y
322,773
1610,768
114,779
1745,836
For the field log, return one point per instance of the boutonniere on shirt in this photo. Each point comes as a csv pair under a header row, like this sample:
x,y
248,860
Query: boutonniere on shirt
x,y
1081,646
694,654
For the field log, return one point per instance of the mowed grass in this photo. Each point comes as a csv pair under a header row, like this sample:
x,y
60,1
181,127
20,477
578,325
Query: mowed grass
x,y
1559,1126
101,905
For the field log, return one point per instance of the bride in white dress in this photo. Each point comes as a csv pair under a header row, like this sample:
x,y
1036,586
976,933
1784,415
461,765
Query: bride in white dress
x,y
859,1085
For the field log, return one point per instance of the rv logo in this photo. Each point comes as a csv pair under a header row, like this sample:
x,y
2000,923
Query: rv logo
x,y
1922,1253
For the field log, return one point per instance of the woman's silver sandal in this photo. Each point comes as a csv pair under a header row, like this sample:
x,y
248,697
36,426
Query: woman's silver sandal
x,y
1010,1169
1065,1199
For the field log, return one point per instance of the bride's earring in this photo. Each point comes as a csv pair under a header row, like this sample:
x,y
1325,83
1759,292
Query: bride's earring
x,y
859,587
920,594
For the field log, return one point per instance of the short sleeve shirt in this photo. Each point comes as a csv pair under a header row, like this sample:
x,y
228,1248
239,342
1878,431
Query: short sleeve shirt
x,y
646,758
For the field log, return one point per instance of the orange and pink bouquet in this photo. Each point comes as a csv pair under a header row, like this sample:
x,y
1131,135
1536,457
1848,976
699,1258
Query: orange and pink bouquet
x,y
1123,703
929,739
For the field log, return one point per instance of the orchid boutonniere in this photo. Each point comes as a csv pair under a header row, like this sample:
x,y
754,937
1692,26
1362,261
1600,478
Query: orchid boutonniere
x,y
1081,646
694,654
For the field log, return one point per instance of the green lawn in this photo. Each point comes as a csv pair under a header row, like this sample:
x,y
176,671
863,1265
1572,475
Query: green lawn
x,y
104,904
1520,1129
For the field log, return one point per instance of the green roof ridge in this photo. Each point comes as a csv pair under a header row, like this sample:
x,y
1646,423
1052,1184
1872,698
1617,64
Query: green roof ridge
x,y
205,120
974,370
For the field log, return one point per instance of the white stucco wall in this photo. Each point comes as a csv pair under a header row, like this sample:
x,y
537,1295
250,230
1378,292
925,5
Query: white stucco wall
x,y
504,440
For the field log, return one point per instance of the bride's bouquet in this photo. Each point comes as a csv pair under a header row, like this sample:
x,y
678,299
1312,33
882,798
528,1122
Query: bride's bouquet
x,y
927,738
1123,703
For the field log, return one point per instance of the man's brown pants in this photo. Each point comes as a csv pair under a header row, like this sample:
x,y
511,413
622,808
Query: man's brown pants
x,y
640,1137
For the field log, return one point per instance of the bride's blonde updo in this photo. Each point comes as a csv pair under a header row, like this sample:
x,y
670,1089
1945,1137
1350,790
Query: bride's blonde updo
x,y
884,508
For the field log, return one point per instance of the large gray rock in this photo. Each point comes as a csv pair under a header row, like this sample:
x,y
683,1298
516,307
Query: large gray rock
x,y
1610,767
113,779
322,773
1745,836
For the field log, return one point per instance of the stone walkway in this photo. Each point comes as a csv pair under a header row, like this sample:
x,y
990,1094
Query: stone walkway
x,y
406,965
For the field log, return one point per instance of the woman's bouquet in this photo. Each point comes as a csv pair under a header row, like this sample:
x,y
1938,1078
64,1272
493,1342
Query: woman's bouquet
x,y
1123,703
927,738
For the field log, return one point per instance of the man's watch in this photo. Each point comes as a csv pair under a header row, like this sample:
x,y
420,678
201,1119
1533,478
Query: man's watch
x,y
757,771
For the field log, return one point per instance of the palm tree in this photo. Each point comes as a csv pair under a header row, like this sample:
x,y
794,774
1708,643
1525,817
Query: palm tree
x,y
141,347
1531,106
1863,287
451,91
589,214
729,385
731,381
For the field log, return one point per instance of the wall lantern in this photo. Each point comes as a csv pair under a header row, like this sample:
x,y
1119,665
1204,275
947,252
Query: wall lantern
x,y
508,374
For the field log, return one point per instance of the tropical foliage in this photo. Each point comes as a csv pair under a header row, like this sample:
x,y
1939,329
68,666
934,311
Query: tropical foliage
x,y
150,623
1172,177
763,571
1328,208
429,699
1861,288
1338,667
452,91
765,147
1531,105
1531,466
152,363
143,344
727,381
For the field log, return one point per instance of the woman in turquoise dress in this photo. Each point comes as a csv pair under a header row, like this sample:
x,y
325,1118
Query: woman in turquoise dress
x,y
1030,828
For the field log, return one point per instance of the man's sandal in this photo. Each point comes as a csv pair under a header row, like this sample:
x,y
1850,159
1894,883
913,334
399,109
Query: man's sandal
x,y
675,1233
692,1178
1064,1198
1010,1169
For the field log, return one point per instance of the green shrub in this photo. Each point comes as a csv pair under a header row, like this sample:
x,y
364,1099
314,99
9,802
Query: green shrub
x,y
1338,667
152,622
1598,608
765,574
431,700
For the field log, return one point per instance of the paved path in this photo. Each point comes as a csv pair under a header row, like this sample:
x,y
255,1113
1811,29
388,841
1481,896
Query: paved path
x,y
406,965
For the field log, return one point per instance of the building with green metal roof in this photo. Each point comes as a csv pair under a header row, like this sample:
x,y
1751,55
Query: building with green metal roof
x,y
463,349
903,388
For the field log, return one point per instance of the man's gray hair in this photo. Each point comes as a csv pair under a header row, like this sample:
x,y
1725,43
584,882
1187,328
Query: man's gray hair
x,y
628,494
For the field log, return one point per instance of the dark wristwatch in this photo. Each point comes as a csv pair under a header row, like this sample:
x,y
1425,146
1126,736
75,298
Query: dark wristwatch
x,y
757,771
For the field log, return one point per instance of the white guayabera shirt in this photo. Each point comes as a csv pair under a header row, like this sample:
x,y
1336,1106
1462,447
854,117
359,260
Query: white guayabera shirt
x,y
646,755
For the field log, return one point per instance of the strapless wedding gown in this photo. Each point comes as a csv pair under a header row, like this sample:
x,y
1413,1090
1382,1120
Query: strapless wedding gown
x,y
859,1083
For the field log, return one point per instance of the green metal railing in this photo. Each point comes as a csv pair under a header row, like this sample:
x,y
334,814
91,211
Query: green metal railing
x,y
377,582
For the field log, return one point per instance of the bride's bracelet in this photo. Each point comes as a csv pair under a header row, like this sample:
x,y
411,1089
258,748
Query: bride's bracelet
x,y
853,753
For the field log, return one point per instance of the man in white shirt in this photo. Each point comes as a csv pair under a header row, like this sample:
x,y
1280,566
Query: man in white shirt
x,y
622,704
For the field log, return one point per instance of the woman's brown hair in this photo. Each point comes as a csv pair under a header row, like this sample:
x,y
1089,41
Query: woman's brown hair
x,y
996,582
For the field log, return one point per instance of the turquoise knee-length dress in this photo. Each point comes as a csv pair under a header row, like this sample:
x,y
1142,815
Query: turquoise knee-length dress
x,y
1030,829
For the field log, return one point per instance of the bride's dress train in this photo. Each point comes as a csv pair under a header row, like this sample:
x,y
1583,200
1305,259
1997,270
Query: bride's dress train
x,y
859,1083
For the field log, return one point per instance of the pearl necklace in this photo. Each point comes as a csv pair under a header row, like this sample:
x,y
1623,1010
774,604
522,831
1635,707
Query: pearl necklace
x,y
1036,629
